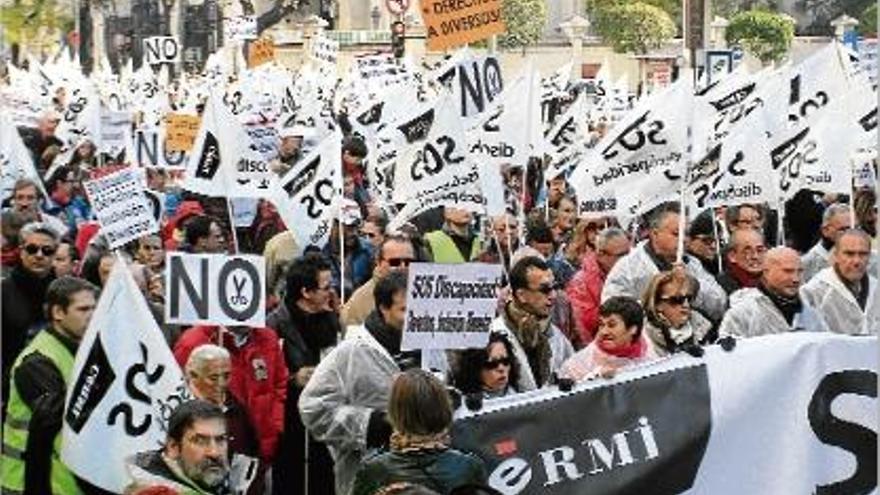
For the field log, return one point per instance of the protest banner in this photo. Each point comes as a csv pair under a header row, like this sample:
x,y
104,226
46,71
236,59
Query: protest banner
x,y
215,289
150,151
240,28
124,385
15,159
261,51
122,209
115,133
449,24
161,50
450,306
791,413
479,83
324,49
181,131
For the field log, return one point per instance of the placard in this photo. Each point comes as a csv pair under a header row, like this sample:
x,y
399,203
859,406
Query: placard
x,y
161,50
261,51
240,28
449,24
122,209
181,131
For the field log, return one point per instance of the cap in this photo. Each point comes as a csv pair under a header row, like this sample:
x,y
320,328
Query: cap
x,y
349,212
702,225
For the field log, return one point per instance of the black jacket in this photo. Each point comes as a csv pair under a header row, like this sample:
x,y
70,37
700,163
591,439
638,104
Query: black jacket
x,y
23,296
439,470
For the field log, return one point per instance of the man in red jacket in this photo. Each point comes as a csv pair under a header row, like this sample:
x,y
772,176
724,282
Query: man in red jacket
x,y
259,375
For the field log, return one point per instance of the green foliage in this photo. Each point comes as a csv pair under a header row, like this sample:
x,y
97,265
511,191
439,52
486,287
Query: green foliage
x,y
765,35
868,21
634,27
525,20
22,20
727,8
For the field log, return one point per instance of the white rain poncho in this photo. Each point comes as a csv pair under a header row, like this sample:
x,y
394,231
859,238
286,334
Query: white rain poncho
x,y
838,306
752,313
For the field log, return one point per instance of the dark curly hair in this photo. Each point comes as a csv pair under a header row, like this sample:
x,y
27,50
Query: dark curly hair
x,y
467,377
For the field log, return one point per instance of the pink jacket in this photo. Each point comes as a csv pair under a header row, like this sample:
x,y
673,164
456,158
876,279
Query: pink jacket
x,y
587,362
584,291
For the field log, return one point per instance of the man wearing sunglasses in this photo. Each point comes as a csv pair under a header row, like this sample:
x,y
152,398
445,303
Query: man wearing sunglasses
x,y
539,346
24,290
394,254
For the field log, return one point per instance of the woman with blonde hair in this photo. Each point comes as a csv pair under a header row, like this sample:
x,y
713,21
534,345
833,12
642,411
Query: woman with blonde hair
x,y
420,413
670,322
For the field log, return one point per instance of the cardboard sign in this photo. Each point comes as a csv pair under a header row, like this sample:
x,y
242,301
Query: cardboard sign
x,y
122,209
215,289
161,50
240,28
261,52
450,306
324,49
181,131
450,24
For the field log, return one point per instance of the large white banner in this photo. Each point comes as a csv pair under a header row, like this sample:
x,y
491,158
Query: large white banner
x,y
15,159
125,384
783,414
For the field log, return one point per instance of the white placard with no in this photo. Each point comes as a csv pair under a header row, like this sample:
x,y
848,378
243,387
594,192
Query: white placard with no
x,y
215,289
161,50
450,306
121,207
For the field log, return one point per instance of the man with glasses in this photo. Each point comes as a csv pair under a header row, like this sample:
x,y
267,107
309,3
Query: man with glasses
x,y
835,221
585,288
539,346
701,242
24,290
744,260
26,199
194,458
394,254
632,274
307,321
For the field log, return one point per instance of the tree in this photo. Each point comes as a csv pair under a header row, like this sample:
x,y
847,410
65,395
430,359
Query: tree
x,y
822,12
727,8
525,20
33,21
596,8
868,21
765,35
633,26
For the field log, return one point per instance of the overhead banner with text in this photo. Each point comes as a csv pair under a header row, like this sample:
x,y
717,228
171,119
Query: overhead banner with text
x,y
794,413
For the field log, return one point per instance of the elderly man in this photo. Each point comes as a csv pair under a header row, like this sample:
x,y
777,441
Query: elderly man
x,y
344,403
845,294
585,288
744,261
194,458
27,197
835,220
504,242
774,306
394,254
539,346
630,276
454,243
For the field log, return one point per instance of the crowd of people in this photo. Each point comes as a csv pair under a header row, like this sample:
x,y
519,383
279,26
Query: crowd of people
x,y
323,399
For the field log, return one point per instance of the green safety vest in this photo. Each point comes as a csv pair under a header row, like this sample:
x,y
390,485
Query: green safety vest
x,y
444,249
18,417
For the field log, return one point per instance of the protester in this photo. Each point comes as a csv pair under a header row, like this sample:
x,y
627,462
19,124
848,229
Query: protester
x,y
671,325
24,291
39,378
65,261
454,243
539,346
744,259
26,199
308,325
258,380
702,242
12,223
150,253
775,305
38,139
567,259
835,220
344,404
585,288
373,229
619,342
539,237
632,274
358,252
266,225
394,254
203,235
744,216
490,371
562,220
194,458
504,241
208,370
66,200
865,206
845,294
420,414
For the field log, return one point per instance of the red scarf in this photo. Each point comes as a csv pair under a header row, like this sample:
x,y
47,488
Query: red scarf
x,y
634,350
742,277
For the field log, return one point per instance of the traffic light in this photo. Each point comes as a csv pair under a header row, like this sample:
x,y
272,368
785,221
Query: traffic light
x,y
398,38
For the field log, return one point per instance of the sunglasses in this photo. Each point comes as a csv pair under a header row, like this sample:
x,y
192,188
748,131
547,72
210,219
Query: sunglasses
x,y
33,249
396,262
678,300
494,363
545,289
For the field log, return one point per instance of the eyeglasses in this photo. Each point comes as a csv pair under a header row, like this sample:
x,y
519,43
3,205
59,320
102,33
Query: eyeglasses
x,y
33,249
678,300
396,262
495,363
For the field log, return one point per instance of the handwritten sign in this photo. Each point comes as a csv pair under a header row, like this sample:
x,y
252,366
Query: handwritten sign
x,y
261,51
450,24
181,131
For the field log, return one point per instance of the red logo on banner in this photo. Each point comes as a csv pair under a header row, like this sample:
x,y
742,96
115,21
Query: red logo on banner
x,y
506,447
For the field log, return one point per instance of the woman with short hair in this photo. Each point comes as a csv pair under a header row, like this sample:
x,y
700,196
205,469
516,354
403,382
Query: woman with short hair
x,y
420,413
670,321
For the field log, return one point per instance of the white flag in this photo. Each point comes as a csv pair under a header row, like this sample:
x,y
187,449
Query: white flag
x,y
125,384
15,159
224,160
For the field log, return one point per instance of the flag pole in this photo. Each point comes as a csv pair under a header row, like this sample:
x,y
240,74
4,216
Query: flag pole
x,y
682,214
717,242
232,224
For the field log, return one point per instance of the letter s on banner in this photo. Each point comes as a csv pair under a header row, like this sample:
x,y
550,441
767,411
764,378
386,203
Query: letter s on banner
x,y
860,441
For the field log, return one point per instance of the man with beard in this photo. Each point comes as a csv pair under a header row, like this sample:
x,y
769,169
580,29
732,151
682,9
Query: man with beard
x,y
539,346
308,324
454,243
193,460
